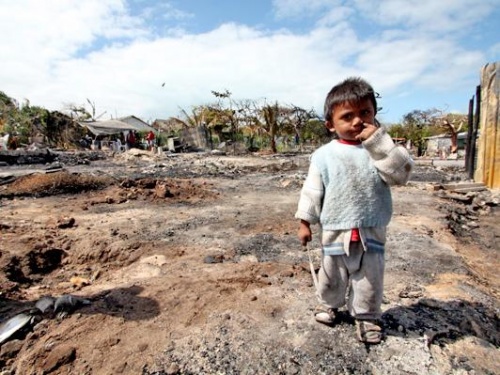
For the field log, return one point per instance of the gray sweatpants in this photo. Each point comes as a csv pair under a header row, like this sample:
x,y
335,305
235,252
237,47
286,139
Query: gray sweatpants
x,y
360,271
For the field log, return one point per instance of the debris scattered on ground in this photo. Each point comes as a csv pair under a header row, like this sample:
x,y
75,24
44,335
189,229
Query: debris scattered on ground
x,y
15,325
19,325
192,266
464,209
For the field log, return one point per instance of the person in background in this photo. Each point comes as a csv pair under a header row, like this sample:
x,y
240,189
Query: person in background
x,y
347,193
4,141
150,138
13,142
130,139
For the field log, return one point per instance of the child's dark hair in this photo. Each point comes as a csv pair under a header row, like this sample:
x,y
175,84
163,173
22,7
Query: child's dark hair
x,y
352,89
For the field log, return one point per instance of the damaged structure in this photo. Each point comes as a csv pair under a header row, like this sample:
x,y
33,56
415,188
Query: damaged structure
x,y
488,155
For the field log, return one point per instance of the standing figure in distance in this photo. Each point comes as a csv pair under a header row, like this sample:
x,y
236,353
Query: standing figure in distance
x,y
130,139
347,192
150,138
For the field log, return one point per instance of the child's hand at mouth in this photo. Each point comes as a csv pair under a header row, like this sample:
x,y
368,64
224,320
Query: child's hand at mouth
x,y
368,130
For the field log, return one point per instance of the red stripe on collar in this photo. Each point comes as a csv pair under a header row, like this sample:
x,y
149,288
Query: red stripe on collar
x,y
347,142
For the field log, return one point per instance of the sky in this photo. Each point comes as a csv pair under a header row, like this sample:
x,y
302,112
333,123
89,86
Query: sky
x,y
154,58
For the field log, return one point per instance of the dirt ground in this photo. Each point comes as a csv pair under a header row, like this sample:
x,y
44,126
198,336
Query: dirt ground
x,y
192,266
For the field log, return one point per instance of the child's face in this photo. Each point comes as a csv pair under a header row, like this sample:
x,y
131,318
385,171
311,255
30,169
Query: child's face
x,y
348,118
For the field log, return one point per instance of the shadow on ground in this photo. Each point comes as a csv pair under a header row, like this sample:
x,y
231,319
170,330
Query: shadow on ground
x,y
443,322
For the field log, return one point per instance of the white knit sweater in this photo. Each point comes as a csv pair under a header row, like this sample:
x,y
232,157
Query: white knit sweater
x,y
348,186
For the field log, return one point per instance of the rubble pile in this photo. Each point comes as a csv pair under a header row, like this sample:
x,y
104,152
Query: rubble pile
x,y
47,156
80,157
437,174
21,157
463,209
59,182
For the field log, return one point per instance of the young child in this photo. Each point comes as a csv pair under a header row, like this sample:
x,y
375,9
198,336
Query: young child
x,y
347,193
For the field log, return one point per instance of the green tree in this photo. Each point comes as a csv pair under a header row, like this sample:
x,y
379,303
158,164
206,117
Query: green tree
x,y
270,113
316,132
418,126
226,116
81,113
22,122
6,101
248,120
197,117
8,110
301,118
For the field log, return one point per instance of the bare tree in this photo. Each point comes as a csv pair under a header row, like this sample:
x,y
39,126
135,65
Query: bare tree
x,y
301,118
81,113
453,130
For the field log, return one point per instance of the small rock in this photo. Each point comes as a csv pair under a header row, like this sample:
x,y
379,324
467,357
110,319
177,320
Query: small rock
x,y
173,369
59,356
66,222
412,291
79,282
161,191
121,368
68,303
45,304
286,274
210,259
10,349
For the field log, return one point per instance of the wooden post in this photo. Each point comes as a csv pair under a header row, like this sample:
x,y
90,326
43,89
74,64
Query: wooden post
x,y
475,131
469,158
488,160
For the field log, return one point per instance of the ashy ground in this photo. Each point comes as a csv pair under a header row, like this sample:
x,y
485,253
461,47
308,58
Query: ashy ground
x,y
192,266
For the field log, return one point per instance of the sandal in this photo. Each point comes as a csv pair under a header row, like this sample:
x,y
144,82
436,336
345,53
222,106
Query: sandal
x,y
325,315
368,331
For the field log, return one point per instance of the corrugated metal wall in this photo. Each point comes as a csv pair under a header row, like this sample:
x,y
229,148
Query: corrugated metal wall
x,y
488,152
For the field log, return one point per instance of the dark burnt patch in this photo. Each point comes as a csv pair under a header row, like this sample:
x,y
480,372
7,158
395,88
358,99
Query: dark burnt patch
x,y
442,322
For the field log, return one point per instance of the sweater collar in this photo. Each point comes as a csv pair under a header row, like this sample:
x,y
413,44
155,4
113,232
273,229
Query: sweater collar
x,y
346,142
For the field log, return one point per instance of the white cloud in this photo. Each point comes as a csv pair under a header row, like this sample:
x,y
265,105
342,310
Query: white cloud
x,y
336,15
59,28
422,15
68,51
165,11
431,15
40,35
294,8
433,63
